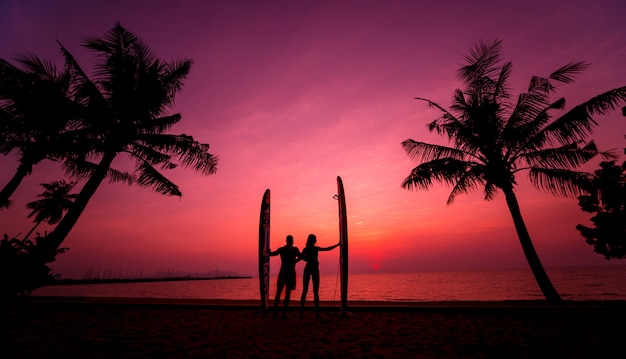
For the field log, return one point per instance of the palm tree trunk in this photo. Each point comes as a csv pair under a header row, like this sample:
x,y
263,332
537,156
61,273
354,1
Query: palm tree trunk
x,y
548,290
60,232
22,171
32,230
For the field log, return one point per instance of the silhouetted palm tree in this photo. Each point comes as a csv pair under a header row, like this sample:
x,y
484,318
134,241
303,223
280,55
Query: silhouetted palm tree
x,y
37,118
55,200
493,139
126,114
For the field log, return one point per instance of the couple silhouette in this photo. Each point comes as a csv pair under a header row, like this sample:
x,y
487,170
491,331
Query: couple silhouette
x,y
289,256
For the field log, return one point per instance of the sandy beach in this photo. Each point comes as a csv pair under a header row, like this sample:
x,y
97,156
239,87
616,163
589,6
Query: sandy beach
x,y
151,328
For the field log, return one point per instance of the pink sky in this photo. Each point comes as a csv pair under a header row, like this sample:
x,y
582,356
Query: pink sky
x,y
291,94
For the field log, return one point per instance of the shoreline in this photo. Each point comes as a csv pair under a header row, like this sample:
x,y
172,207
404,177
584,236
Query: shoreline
x,y
326,305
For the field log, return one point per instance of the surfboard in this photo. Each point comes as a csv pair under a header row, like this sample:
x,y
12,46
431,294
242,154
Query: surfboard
x,y
343,246
264,246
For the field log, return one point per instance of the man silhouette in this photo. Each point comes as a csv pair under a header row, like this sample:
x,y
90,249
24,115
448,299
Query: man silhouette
x,y
289,256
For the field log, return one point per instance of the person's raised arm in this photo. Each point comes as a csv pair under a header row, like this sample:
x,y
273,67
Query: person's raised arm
x,y
329,248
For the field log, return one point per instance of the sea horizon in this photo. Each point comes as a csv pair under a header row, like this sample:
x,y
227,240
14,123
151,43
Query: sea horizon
x,y
573,283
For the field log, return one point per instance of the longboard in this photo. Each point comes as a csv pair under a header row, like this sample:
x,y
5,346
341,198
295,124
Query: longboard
x,y
264,246
343,246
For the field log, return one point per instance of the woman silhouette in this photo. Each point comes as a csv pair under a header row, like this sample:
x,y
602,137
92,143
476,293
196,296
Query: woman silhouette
x,y
312,270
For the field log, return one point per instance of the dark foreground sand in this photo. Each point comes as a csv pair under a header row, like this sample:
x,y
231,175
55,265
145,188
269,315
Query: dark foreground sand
x,y
123,328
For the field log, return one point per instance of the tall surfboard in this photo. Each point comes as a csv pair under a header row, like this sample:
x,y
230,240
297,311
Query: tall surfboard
x,y
343,246
264,246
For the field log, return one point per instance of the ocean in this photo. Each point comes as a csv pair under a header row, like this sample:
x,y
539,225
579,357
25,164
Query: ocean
x,y
573,283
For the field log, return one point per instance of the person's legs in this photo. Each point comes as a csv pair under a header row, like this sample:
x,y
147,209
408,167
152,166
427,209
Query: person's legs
x,y
305,288
287,298
316,290
279,289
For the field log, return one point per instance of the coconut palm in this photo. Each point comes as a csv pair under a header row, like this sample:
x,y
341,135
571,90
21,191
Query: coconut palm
x,y
127,103
37,118
493,139
55,200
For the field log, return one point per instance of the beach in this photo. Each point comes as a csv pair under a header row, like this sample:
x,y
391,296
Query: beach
x,y
150,328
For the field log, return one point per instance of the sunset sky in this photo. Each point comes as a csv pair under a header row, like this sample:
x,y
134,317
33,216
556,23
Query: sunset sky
x,y
292,94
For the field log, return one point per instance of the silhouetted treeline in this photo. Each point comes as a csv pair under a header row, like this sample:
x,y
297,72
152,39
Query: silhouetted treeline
x,y
137,280
24,265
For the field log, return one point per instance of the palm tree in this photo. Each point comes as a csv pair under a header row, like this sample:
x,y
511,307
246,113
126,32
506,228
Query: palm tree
x,y
126,106
55,200
493,139
37,118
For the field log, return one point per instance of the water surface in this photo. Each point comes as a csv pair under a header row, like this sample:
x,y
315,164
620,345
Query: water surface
x,y
576,283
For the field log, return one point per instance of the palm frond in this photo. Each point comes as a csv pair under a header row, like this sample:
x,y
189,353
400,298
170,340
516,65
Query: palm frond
x,y
559,182
605,102
432,104
540,84
467,182
116,40
569,156
526,136
144,54
526,123
490,190
459,105
175,73
184,149
444,170
532,104
197,157
451,126
81,169
83,90
118,64
423,152
481,62
501,90
578,123
78,168
151,178
42,68
160,141
10,75
147,154
566,73
159,125
116,176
